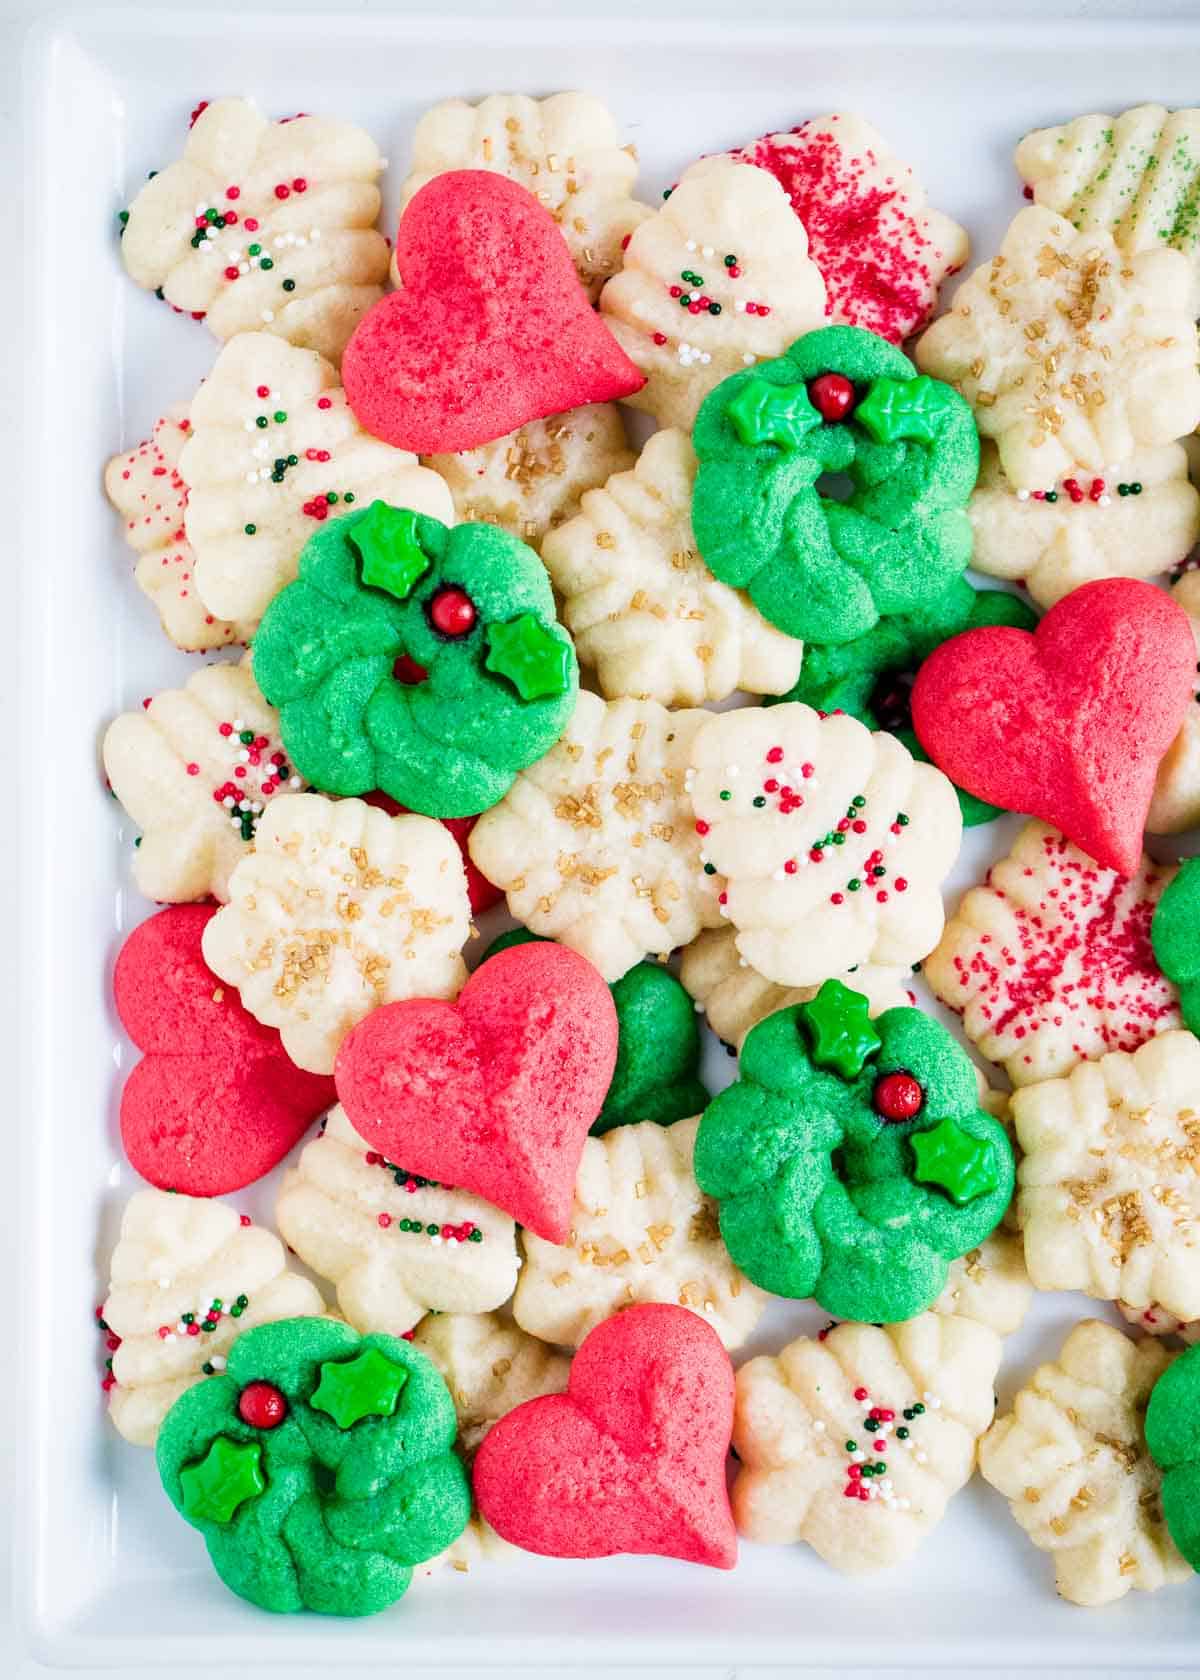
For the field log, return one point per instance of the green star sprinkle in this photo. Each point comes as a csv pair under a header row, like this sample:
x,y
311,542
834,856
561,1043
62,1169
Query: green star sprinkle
x,y
228,1474
963,1166
766,413
392,558
904,408
366,1386
537,664
838,1024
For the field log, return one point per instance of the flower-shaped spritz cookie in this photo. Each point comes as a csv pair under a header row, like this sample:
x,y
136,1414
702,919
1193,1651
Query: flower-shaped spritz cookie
x,y
1141,520
565,150
195,768
1072,354
1176,802
395,1244
989,1285
337,909
833,842
274,451
1109,1197
148,492
1072,1461
641,1230
643,607
531,481
188,1275
595,844
264,225
855,1442
1049,962
720,277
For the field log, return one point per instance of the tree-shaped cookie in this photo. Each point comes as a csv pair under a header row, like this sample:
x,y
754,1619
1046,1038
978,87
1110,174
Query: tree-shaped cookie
x,y
1176,802
719,278
394,1244
856,1441
1071,1459
335,910
595,845
264,225
148,492
1072,354
833,843
644,609
565,150
1049,962
187,1276
274,452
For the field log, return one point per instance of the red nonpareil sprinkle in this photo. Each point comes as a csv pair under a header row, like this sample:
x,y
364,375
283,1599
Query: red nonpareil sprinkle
x,y
299,184
251,224
676,291
324,402
231,272
385,1219
283,190
245,1220
659,337
263,391
837,898
701,826
791,866
775,755
806,770
193,1329
193,769
164,1330
816,854
723,898
770,785
900,884
862,1394
233,192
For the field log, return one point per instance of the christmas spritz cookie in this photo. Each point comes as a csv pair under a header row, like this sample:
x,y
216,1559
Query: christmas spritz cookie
x,y
1138,521
531,481
595,845
335,910
1072,353
565,150
856,1441
1176,802
195,768
720,277
1050,963
1071,1459
832,841
1110,1180
264,225
274,452
881,251
641,1230
989,1284
188,1275
644,609
148,492
395,1245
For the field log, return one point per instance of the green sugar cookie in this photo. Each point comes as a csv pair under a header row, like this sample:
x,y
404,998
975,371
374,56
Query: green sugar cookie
x,y
843,402
1173,1436
1175,938
415,658
851,1160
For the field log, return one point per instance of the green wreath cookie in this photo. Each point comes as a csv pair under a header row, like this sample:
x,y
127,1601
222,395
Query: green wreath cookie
x,y
839,401
1173,1436
422,660
658,1046
319,1467
850,1159
1175,938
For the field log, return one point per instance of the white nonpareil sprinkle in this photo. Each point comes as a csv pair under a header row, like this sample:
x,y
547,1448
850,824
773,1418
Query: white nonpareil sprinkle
x,y
1022,495
749,358
818,1427
707,251
218,1361
164,1283
690,246
268,314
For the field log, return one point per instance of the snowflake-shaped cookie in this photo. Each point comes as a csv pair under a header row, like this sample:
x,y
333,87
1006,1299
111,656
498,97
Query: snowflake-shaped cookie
x,y
565,150
833,841
195,767
275,451
595,845
1049,962
644,609
989,1285
531,481
1072,354
1109,1189
148,492
394,1244
337,909
1072,1461
1142,519
855,1441
1176,802
188,1275
719,278
640,1231
264,225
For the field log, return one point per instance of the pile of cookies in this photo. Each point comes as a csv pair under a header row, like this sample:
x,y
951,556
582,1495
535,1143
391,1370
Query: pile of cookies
x,y
476,646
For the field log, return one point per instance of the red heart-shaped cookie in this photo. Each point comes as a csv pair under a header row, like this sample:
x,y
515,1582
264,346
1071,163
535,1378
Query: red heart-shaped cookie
x,y
491,328
215,1101
494,1093
1069,722
631,1458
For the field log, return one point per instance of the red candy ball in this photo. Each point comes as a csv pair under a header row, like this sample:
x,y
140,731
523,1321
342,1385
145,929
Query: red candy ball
x,y
452,612
832,395
262,1406
898,1096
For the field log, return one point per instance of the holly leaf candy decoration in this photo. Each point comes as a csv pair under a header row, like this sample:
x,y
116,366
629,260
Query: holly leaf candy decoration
x,y
764,413
229,1473
837,1024
536,662
906,408
367,1386
386,542
963,1166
